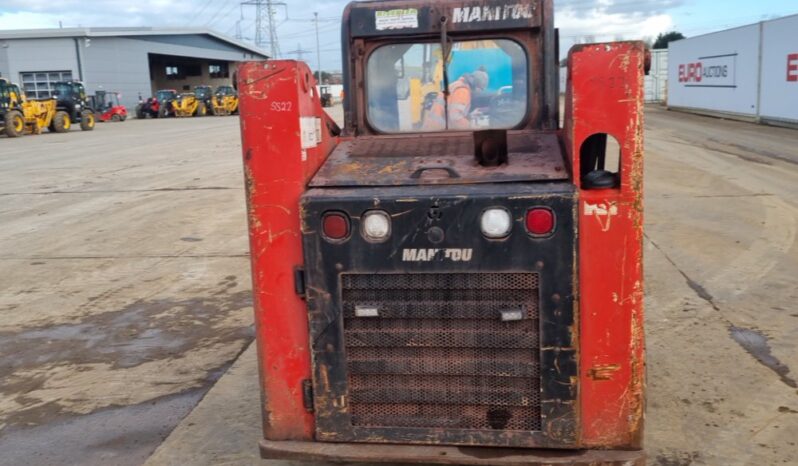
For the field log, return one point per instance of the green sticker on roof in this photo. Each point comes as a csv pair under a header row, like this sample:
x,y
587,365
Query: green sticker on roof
x,y
397,19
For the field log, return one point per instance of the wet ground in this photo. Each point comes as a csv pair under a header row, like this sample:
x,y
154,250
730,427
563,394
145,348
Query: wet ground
x,y
125,285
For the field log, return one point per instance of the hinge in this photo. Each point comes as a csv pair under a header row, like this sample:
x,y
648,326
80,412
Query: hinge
x,y
307,395
299,281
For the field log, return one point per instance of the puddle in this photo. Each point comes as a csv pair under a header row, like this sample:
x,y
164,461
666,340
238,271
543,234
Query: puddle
x,y
123,436
143,331
757,346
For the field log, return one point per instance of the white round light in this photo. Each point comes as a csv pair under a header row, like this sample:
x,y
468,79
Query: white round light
x,y
376,225
496,223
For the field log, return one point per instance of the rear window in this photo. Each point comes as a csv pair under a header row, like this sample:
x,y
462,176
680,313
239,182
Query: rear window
x,y
488,83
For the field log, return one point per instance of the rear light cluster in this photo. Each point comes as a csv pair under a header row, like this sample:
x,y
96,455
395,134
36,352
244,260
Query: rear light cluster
x,y
375,226
495,223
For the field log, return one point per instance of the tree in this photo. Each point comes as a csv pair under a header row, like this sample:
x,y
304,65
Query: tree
x,y
664,39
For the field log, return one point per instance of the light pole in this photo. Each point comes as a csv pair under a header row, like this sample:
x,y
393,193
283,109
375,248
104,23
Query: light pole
x,y
318,48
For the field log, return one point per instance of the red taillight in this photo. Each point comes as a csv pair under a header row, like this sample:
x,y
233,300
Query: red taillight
x,y
539,221
335,225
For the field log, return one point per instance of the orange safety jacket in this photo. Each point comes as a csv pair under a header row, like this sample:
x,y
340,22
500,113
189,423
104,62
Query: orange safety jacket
x,y
459,107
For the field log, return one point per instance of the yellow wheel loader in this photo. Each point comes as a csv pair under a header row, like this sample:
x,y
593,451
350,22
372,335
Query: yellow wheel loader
x,y
225,101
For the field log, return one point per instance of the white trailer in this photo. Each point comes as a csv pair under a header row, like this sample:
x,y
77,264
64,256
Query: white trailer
x,y
656,85
779,81
750,72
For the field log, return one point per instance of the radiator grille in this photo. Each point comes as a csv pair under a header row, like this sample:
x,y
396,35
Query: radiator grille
x,y
438,354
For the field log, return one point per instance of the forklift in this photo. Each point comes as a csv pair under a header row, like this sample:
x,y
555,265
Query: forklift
x,y
73,106
326,96
108,106
466,288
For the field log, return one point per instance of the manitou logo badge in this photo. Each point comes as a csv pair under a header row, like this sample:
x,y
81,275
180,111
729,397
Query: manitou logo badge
x,y
436,254
478,14
603,213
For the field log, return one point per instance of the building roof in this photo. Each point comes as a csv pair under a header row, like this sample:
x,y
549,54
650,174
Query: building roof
x,y
124,32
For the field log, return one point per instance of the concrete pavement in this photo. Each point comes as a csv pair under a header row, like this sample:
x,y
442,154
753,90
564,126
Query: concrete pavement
x,y
721,320
125,285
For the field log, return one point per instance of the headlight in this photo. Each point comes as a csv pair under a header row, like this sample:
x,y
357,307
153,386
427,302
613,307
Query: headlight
x,y
376,225
496,222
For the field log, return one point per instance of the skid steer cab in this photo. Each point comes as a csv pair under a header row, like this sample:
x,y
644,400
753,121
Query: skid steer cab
x,y
73,106
453,277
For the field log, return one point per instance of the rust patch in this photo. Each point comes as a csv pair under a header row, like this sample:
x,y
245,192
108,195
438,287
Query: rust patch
x,y
603,371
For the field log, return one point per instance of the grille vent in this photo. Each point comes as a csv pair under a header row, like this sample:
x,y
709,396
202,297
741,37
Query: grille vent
x,y
438,355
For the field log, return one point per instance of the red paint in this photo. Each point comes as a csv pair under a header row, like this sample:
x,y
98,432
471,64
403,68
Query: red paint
x,y
539,221
605,95
119,110
792,67
274,95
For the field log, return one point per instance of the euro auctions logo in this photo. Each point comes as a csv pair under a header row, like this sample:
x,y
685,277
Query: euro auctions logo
x,y
712,71
792,68
691,72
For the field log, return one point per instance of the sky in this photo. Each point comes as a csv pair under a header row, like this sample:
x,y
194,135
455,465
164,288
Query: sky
x,y
578,20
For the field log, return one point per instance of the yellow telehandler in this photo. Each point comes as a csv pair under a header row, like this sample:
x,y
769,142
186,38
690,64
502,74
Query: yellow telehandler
x,y
187,105
225,101
20,115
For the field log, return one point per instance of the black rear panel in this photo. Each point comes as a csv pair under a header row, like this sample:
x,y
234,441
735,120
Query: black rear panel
x,y
408,335
437,356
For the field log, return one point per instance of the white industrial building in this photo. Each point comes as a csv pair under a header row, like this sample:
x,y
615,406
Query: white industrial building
x,y
749,72
132,61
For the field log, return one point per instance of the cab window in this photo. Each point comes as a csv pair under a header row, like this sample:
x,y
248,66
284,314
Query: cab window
x,y
488,86
62,90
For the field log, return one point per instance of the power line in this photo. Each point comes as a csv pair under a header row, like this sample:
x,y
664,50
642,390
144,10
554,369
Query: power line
x,y
299,52
200,11
213,18
265,27
295,35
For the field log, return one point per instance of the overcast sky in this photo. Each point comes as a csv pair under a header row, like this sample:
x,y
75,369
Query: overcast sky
x,y
579,20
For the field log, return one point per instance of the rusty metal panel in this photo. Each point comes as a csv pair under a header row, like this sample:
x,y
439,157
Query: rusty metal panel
x,y
605,96
278,112
406,160
416,351
438,356
317,452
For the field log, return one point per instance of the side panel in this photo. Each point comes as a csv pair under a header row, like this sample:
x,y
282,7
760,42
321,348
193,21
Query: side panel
x,y
605,95
716,72
779,85
285,136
